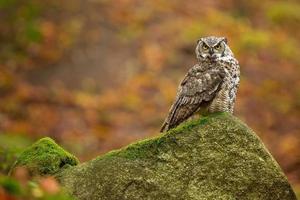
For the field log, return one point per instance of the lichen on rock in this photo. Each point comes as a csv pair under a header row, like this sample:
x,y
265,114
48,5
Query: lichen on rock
x,y
45,157
216,157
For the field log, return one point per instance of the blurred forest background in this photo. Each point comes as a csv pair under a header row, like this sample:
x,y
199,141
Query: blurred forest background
x,y
96,75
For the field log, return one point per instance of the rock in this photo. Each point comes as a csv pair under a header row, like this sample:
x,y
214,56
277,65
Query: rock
x,y
45,157
216,157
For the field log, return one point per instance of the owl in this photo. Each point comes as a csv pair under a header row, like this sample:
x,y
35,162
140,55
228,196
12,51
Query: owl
x,y
209,86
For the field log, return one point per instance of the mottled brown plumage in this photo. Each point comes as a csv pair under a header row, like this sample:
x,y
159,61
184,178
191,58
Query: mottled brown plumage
x,y
209,86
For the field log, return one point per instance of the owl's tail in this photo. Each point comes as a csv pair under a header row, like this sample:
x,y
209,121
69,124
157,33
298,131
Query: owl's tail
x,y
178,113
164,127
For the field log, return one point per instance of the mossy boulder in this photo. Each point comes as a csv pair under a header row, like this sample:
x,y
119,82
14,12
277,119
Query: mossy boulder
x,y
45,157
216,157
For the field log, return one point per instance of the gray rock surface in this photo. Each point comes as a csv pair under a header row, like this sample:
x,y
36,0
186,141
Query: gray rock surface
x,y
216,157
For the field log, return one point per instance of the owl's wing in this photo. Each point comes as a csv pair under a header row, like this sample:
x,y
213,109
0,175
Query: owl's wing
x,y
197,87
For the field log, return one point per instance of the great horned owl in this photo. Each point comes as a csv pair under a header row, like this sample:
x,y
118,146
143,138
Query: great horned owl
x,y
209,86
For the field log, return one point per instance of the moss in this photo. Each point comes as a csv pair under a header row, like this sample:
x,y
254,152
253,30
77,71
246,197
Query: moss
x,y
214,157
149,146
45,157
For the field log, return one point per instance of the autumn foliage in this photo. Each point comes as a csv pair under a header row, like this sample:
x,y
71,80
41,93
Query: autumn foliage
x,y
97,75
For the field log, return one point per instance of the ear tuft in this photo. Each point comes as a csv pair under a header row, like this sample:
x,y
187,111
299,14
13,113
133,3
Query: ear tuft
x,y
225,40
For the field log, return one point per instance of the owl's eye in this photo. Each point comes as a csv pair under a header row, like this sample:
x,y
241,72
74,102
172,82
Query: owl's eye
x,y
205,47
217,47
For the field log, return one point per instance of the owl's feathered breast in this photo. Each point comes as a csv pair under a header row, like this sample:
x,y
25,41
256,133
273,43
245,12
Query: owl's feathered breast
x,y
224,99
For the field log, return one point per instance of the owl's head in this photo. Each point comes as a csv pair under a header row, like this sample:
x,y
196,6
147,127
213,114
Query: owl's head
x,y
211,48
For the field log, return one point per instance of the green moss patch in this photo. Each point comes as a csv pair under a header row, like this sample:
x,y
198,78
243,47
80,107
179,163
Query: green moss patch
x,y
45,157
149,147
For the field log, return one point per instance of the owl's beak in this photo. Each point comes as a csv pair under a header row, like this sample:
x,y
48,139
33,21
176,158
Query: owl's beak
x,y
211,52
211,55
